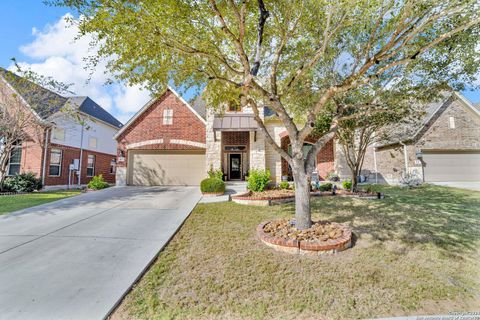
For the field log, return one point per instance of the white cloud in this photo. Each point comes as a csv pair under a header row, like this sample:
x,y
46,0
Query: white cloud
x,y
57,53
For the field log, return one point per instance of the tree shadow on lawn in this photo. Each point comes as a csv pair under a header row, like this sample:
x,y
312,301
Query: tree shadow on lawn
x,y
444,217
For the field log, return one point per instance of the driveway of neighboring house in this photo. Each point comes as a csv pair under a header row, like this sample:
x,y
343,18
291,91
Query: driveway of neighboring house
x,y
75,258
469,185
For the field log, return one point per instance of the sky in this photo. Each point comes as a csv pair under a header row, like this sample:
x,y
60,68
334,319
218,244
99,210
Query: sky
x,y
39,38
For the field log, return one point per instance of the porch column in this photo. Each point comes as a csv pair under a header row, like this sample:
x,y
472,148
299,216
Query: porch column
x,y
257,150
214,147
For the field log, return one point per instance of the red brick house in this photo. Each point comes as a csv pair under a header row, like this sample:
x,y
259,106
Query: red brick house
x,y
170,142
59,139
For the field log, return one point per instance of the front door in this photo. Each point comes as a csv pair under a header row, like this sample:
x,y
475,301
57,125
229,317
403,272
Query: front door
x,y
235,166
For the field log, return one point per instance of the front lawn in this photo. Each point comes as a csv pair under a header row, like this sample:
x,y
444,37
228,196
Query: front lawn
x,y
17,202
416,252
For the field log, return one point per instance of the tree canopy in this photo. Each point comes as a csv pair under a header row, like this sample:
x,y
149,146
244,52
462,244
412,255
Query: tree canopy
x,y
294,56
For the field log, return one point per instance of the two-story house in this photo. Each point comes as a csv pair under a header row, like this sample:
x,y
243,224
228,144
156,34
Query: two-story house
x,y
70,141
170,142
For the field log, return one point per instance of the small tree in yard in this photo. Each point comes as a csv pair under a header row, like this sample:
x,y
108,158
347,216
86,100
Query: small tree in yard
x,y
18,122
294,56
375,114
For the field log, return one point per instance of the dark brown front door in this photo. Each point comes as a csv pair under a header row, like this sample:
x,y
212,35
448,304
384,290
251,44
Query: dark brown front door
x,y
235,166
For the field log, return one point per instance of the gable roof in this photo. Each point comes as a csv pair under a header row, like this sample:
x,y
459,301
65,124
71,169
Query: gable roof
x,y
90,107
150,103
414,129
45,103
42,101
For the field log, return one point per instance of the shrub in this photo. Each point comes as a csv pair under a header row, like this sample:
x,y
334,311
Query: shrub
x,y
347,184
215,173
411,180
284,185
97,183
372,188
24,182
258,180
325,186
212,185
333,176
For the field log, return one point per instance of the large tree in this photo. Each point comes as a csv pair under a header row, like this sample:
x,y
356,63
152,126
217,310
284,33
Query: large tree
x,y
294,56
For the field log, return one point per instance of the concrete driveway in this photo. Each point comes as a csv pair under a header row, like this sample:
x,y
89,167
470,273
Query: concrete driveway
x,y
75,258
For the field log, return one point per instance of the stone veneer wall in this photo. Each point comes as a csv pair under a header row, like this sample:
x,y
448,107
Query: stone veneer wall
x,y
214,147
257,148
272,158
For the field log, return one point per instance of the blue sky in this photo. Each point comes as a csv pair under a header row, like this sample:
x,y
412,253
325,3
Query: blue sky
x,y
37,36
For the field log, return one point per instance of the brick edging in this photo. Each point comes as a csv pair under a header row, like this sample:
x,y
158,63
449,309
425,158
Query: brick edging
x,y
212,194
334,245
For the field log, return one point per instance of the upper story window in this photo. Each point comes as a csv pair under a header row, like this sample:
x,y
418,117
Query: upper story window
x,y
91,165
55,168
168,116
92,142
234,106
14,161
451,122
59,134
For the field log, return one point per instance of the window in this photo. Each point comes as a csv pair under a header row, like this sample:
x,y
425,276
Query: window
x,y
55,168
15,160
92,142
451,122
91,165
306,149
168,116
234,106
59,134
113,166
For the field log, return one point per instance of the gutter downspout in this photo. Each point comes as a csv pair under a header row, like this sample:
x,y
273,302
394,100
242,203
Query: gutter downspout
x,y
45,148
80,160
405,155
375,163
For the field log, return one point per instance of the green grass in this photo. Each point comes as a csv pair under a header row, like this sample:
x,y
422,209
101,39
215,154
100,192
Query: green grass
x,y
17,202
416,252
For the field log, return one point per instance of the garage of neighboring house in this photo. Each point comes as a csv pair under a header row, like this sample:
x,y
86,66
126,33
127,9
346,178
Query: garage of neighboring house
x,y
451,166
156,168
163,144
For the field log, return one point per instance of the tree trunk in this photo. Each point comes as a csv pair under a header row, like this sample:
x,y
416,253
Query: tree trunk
x,y
354,181
302,197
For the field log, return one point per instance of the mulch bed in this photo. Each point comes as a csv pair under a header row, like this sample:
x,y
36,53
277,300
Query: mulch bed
x,y
319,231
277,194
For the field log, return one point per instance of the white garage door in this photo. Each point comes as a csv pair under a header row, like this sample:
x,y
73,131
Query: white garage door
x,y
458,166
155,168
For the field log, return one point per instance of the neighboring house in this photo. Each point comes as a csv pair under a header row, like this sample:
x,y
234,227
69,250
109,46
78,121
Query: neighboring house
x,y
170,142
443,146
58,139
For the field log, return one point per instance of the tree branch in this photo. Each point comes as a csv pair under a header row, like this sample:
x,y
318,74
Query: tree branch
x,y
262,19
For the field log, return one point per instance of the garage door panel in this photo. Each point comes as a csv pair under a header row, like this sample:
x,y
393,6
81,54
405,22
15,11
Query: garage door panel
x,y
152,169
444,167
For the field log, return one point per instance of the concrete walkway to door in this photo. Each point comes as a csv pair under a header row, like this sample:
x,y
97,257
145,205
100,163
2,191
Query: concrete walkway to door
x,y
75,258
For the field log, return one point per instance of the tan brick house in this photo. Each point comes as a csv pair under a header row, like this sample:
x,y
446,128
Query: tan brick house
x,y
170,142
443,146
57,139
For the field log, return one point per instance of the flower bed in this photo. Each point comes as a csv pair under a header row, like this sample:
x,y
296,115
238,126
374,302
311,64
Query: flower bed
x,y
212,194
276,196
322,237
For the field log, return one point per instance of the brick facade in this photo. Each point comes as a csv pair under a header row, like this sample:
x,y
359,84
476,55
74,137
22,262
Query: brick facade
x,y
102,165
147,131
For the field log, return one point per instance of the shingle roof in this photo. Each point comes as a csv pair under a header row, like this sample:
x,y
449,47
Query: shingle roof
x,y
199,105
43,101
90,107
46,102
